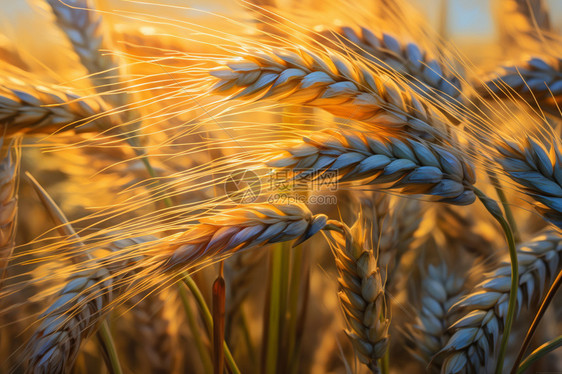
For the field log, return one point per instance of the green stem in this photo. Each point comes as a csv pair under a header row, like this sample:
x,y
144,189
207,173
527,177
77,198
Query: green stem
x,y
539,353
275,304
208,319
542,309
293,307
152,173
494,209
108,344
247,337
506,208
199,344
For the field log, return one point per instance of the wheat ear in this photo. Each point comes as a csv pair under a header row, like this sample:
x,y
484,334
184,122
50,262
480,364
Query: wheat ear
x,y
8,204
476,335
155,342
440,289
424,73
84,28
76,313
412,166
242,228
31,108
537,171
537,81
340,85
362,294
523,23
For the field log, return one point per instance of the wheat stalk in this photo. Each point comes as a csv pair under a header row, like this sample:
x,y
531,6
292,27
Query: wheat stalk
x,y
76,313
537,81
84,28
339,85
8,204
537,171
412,166
424,73
440,289
38,108
476,335
362,294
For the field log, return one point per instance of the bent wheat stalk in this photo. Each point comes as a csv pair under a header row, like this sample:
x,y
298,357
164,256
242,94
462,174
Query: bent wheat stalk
x,y
424,73
31,108
362,294
537,171
476,335
411,166
339,85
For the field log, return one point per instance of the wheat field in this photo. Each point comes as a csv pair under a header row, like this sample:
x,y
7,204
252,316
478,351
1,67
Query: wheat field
x,y
273,186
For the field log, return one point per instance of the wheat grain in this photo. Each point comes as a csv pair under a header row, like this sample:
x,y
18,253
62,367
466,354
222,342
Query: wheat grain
x,y
476,335
37,108
412,166
537,171
339,85
440,289
424,73
8,203
537,81
362,294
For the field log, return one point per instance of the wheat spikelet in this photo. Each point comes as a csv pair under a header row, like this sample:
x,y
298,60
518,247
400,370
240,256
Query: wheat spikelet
x,y
339,85
440,289
537,81
242,228
424,73
412,166
76,314
476,335
155,341
362,295
83,27
8,204
31,108
537,171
